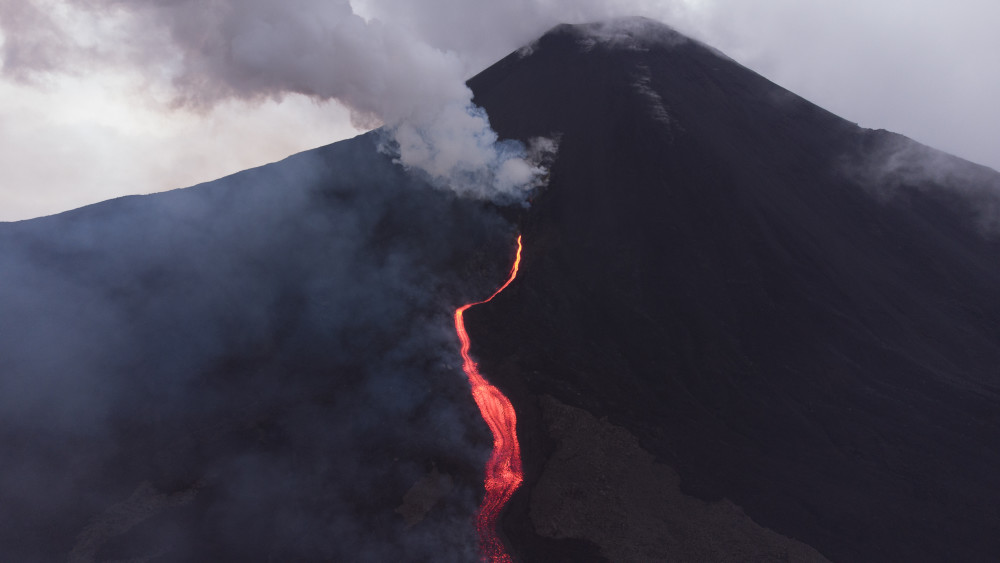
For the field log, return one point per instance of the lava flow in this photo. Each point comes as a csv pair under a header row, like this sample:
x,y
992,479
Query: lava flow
x,y
503,471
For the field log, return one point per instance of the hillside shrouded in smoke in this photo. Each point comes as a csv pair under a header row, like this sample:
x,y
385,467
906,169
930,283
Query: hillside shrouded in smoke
x,y
262,49
259,367
746,329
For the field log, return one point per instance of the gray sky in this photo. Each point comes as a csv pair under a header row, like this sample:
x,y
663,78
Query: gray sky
x,y
101,98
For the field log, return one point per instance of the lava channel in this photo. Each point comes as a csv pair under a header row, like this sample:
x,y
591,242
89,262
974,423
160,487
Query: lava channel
x,y
503,471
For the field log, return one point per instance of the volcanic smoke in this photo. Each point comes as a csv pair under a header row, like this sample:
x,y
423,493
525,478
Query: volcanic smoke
x,y
503,471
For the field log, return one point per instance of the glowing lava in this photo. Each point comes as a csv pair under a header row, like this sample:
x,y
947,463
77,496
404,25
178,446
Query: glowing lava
x,y
503,471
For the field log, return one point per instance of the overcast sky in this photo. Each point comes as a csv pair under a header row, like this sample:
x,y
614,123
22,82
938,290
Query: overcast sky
x,y
102,98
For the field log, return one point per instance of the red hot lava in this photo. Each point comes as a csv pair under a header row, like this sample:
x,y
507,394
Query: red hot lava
x,y
503,471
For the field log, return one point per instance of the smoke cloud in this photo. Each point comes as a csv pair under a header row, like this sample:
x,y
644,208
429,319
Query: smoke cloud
x,y
207,53
259,368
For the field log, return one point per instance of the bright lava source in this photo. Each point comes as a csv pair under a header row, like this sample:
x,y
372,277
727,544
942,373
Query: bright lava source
x,y
503,471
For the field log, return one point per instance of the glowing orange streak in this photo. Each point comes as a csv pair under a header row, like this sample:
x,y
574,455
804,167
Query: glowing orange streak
x,y
503,470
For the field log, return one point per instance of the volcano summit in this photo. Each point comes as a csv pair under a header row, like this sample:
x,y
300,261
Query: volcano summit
x,y
742,329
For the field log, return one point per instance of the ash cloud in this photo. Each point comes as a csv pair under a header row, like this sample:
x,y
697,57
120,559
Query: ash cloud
x,y
33,42
261,49
393,63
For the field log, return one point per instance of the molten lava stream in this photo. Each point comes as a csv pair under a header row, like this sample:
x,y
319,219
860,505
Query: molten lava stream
x,y
503,471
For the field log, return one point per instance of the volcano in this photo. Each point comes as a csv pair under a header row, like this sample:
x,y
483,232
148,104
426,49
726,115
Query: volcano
x,y
743,329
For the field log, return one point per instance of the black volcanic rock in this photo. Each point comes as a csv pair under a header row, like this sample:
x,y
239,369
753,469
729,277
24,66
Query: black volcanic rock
x,y
798,315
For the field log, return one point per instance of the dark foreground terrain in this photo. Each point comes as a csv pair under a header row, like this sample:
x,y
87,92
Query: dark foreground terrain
x,y
744,330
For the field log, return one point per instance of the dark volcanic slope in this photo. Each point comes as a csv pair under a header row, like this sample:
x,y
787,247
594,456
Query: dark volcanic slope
x,y
794,313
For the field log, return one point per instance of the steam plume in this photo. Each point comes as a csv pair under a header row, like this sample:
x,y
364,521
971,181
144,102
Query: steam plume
x,y
259,49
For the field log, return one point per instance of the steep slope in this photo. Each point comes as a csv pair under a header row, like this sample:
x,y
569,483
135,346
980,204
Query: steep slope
x,y
796,314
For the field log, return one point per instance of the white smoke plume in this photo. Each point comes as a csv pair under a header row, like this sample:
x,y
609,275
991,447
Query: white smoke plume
x,y
893,166
209,52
